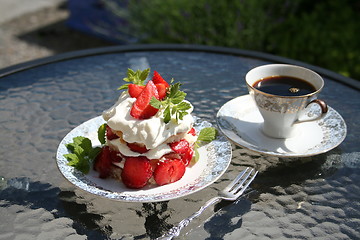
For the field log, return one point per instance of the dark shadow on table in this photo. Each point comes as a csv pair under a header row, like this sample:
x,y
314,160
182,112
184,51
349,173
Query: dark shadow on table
x,y
156,215
35,195
223,223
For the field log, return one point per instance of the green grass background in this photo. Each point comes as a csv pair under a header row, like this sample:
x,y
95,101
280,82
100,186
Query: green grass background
x,y
322,33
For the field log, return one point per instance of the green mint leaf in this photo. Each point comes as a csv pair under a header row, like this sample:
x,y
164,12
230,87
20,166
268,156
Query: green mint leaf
x,y
181,115
94,152
174,89
178,98
183,106
78,162
78,140
207,134
70,147
155,103
174,110
197,155
71,157
83,166
174,104
76,145
85,144
167,115
101,133
81,153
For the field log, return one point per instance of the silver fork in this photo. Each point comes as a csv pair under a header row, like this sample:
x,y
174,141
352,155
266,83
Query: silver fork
x,y
231,192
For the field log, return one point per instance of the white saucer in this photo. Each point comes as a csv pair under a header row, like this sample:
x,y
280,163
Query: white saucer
x,y
241,122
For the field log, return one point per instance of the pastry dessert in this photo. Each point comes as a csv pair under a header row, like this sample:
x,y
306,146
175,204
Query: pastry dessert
x,y
149,134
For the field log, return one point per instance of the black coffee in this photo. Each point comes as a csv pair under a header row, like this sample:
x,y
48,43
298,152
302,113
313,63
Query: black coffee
x,y
284,86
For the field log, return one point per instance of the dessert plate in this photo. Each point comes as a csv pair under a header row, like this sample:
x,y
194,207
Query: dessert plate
x,y
240,120
214,159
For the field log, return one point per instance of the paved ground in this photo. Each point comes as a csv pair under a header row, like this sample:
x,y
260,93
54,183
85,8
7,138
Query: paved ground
x,y
31,29
10,9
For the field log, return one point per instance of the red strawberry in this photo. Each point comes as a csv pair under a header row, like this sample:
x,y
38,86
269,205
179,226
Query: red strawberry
x,y
180,146
115,157
102,163
169,171
110,135
157,78
186,158
183,148
154,163
141,108
136,147
136,172
161,90
192,132
135,90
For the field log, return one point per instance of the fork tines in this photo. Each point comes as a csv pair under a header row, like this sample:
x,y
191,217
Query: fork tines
x,y
242,181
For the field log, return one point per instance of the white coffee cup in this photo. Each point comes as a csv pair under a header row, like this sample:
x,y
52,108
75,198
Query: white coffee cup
x,y
281,113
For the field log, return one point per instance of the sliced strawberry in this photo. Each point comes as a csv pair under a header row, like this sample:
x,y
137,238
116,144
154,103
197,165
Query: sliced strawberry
x,y
115,157
187,157
161,90
141,108
102,162
136,172
183,148
157,78
135,90
172,155
110,135
169,171
136,147
154,163
192,131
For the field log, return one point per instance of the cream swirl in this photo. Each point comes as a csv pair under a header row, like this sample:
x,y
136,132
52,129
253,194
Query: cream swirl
x,y
151,132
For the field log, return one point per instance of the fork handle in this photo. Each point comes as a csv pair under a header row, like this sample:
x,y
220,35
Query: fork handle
x,y
175,231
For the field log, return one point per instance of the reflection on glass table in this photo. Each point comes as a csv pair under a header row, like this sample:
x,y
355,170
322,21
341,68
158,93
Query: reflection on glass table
x,y
41,101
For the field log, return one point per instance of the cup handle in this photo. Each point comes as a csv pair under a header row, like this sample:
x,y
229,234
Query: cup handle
x,y
324,110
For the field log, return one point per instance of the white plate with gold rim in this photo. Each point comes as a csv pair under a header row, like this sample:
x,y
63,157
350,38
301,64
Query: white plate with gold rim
x,y
240,120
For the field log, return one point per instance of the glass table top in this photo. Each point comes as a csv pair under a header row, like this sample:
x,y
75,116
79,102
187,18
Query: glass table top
x,y
300,198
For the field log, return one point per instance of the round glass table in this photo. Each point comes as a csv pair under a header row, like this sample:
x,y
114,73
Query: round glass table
x,y
291,197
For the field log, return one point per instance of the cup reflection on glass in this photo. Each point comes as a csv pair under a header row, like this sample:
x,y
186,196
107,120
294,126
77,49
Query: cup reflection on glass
x,y
282,92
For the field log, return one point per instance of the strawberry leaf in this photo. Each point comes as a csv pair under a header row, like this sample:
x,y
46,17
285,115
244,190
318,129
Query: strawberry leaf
x,y
137,77
125,86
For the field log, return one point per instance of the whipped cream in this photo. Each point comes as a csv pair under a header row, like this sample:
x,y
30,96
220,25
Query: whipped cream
x,y
151,132
155,153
